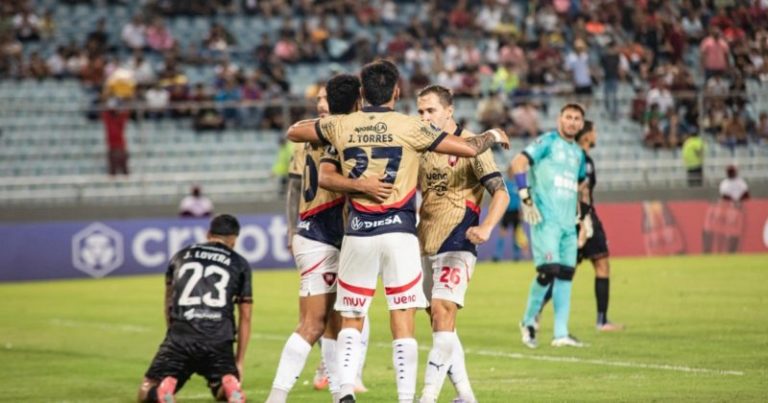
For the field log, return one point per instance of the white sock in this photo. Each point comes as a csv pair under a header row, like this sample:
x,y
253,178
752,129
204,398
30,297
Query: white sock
x,y
292,361
328,348
458,373
364,350
347,359
405,359
438,362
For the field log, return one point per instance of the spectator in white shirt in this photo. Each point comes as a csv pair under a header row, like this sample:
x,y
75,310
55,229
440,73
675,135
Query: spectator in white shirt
x,y
733,187
158,99
27,26
661,96
196,205
57,63
133,33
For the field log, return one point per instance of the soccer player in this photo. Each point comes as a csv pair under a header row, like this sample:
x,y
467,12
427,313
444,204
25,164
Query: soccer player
x,y
315,245
380,236
202,284
549,205
595,248
449,228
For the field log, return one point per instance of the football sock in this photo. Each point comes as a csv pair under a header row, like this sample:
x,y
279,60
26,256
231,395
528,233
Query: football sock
x,y
457,373
328,348
438,362
405,356
348,349
535,301
499,252
364,349
292,361
561,299
602,287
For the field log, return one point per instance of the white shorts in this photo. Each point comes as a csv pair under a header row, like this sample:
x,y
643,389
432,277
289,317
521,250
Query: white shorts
x,y
318,265
447,275
395,256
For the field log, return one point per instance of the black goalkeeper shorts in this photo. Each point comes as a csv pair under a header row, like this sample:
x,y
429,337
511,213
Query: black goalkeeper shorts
x,y
597,246
511,218
180,357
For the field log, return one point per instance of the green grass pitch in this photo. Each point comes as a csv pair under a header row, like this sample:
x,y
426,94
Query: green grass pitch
x,y
697,330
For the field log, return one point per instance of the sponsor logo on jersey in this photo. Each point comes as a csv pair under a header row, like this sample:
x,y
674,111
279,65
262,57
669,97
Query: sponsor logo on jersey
x,y
357,223
303,225
194,313
97,250
437,181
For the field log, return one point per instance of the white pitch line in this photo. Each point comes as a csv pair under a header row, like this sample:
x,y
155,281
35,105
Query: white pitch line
x,y
559,359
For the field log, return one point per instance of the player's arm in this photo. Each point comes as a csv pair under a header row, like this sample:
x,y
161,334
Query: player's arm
x,y
304,131
330,178
244,310
519,167
292,206
494,184
168,299
471,146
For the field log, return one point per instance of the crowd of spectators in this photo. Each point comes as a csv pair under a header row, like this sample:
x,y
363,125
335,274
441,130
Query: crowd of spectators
x,y
512,56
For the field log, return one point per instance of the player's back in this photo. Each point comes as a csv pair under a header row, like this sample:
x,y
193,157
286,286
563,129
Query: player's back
x,y
207,279
557,168
378,142
320,210
452,191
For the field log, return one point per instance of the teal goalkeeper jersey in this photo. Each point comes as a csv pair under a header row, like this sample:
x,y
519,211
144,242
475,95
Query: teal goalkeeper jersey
x,y
557,168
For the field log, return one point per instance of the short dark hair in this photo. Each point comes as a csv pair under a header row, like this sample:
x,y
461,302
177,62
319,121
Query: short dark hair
x,y
224,225
343,92
443,94
573,106
588,127
379,79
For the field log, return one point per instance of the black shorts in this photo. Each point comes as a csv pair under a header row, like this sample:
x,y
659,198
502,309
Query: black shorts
x,y
585,90
180,357
597,246
510,219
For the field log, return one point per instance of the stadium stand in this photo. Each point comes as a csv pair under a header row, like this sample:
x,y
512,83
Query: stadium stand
x,y
53,145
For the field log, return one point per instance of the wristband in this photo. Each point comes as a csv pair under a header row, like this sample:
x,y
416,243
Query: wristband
x,y
521,180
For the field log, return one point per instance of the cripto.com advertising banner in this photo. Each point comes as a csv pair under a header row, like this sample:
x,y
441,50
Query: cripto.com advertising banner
x,y
70,249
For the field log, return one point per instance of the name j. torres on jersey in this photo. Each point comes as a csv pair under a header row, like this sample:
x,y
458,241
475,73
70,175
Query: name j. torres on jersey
x,y
371,147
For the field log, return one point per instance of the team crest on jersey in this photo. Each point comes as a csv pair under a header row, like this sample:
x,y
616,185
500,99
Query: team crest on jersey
x,y
329,278
453,160
548,257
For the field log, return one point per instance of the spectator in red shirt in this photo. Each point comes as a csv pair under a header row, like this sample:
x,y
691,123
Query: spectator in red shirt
x,y
114,125
714,54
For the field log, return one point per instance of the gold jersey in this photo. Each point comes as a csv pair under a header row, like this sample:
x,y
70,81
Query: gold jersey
x,y
452,190
378,142
320,210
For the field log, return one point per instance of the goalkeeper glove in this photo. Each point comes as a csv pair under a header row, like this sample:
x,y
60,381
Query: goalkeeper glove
x,y
531,214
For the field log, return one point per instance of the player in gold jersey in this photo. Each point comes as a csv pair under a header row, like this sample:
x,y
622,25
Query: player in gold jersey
x,y
449,228
380,236
315,243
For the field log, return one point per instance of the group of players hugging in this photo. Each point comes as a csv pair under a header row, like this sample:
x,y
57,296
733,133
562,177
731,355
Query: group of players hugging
x,y
353,199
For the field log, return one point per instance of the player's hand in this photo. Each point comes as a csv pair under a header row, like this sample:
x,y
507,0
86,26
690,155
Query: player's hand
x,y
479,234
289,244
499,137
376,188
530,214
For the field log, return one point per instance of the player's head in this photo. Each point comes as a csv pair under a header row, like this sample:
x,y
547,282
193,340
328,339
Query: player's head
x,y
343,94
587,136
379,81
435,104
322,102
571,120
224,228
731,171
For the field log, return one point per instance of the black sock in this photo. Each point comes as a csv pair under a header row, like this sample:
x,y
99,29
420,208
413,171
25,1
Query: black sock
x,y
602,285
547,297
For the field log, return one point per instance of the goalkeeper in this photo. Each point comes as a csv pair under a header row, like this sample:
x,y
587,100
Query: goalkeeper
x,y
548,174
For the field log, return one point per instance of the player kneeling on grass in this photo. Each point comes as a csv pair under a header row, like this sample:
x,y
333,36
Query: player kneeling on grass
x,y
448,231
549,205
202,284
